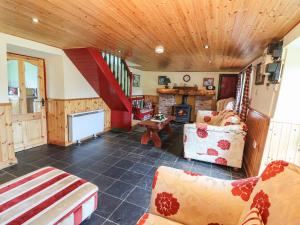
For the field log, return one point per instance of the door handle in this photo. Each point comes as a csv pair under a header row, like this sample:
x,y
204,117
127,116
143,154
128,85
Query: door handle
x,y
43,102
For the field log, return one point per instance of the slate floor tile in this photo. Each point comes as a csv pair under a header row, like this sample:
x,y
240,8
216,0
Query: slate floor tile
x,y
114,172
103,182
145,183
139,197
120,166
94,220
119,189
107,204
141,168
131,177
87,175
125,164
99,167
127,214
5,177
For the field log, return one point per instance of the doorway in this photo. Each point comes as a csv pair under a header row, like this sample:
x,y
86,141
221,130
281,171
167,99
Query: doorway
x,y
227,86
26,91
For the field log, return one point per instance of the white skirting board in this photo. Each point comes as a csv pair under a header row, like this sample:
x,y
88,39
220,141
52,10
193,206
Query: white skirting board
x,y
85,124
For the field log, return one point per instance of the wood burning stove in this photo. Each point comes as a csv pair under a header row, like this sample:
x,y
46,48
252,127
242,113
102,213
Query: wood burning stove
x,y
182,112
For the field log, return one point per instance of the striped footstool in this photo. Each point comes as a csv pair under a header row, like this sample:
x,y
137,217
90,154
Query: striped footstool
x,y
47,196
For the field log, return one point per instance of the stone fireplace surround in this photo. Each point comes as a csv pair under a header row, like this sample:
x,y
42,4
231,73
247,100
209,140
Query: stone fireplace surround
x,y
198,102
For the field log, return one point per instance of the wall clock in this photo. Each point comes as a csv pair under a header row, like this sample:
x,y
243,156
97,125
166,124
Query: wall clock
x,y
186,78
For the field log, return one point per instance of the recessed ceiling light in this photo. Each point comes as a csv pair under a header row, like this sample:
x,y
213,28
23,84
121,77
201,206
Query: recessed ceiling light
x,y
206,46
159,49
35,20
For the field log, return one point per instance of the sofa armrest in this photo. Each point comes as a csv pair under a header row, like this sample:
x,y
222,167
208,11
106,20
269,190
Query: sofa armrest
x,y
193,199
235,128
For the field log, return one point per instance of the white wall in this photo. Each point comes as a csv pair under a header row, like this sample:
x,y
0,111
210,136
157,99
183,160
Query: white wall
x,y
75,85
149,79
64,81
288,107
292,35
263,97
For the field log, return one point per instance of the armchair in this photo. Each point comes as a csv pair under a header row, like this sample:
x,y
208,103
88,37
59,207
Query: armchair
x,y
182,197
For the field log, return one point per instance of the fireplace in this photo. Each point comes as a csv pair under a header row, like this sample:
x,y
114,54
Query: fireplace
x,y
182,112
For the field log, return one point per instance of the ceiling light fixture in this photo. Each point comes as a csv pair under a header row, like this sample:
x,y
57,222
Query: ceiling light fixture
x,y
159,49
206,46
35,20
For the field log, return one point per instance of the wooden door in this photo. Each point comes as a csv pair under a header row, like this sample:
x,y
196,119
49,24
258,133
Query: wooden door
x,y
227,86
26,91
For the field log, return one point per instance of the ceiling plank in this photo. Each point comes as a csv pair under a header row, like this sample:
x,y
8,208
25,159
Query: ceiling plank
x,y
237,31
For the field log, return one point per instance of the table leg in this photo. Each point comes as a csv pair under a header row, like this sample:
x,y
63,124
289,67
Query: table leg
x,y
145,137
151,134
169,130
156,139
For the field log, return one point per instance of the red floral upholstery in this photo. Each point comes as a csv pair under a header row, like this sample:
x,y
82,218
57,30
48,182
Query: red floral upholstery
x,y
183,197
151,219
276,195
253,218
180,195
221,140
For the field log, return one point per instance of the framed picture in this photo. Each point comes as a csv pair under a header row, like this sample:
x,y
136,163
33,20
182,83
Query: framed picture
x,y
136,80
208,82
161,80
259,77
13,91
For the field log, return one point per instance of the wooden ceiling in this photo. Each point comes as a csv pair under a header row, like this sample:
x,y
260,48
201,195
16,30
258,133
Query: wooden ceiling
x,y
236,31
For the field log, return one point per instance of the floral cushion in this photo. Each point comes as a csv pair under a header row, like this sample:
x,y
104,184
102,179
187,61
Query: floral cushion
x,y
209,117
230,120
276,195
252,218
150,219
193,199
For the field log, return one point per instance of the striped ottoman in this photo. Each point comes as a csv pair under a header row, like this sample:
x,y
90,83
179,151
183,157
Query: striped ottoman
x,y
47,196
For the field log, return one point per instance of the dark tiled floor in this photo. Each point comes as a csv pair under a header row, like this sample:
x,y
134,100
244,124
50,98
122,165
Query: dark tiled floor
x,y
121,167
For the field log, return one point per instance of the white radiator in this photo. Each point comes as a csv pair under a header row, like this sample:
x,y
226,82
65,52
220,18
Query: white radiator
x,y
86,124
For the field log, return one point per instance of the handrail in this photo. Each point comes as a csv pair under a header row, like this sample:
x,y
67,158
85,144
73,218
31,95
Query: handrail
x,y
121,71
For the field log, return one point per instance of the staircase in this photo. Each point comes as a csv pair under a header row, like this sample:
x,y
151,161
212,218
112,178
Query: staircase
x,y
111,78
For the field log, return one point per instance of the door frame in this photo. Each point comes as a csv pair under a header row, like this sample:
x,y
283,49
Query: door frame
x,y
220,81
40,63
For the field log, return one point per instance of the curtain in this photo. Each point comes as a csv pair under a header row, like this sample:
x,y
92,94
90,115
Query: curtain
x,y
246,94
239,90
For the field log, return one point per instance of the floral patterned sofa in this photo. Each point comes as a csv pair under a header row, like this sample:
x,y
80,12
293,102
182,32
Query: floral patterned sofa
x,y
181,197
216,137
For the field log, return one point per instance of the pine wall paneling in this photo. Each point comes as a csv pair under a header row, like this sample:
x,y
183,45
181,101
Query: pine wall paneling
x,y
7,154
258,125
58,110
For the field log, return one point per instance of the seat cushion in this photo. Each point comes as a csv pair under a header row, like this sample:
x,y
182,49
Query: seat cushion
x,y
150,219
47,196
276,195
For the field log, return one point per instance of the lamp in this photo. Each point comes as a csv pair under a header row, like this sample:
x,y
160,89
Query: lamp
x,y
167,81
